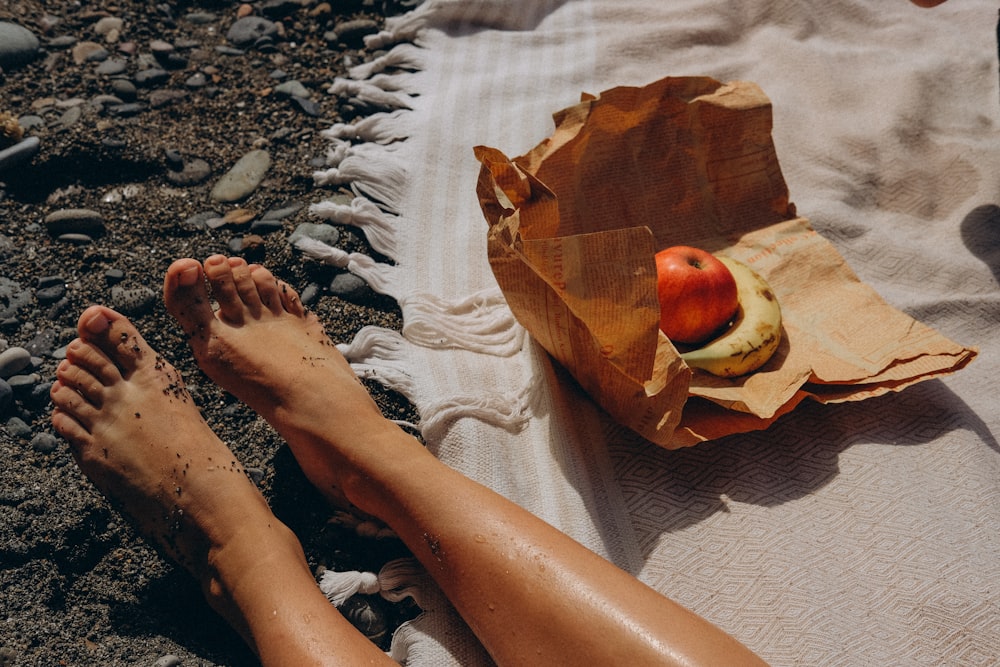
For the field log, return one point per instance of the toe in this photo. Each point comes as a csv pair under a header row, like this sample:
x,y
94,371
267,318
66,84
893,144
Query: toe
x,y
224,291
114,335
71,413
74,372
246,287
186,296
276,294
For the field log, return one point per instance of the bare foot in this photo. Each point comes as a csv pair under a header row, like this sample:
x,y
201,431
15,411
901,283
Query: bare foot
x,y
264,347
136,433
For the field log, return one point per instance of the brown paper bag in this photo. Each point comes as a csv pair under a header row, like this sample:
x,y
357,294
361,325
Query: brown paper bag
x,y
574,226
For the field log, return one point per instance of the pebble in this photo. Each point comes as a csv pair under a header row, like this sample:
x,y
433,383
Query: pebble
x,y
162,98
19,153
249,29
169,660
292,88
111,67
124,89
132,301
18,45
307,107
74,221
328,234
354,31
13,296
44,443
243,178
350,287
191,172
153,76
13,360
85,52
15,426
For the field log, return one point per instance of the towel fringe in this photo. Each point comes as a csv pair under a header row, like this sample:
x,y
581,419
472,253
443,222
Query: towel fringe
x,y
380,128
481,322
507,410
380,277
374,170
378,226
403,56
367,94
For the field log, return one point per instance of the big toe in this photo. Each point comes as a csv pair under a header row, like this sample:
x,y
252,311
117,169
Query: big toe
x,y
115,335
186,296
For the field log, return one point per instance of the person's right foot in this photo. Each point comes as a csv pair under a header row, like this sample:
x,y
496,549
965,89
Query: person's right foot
x,y
265,348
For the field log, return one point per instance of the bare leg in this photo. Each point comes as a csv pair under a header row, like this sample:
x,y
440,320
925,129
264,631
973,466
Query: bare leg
x,y
135,432
530,593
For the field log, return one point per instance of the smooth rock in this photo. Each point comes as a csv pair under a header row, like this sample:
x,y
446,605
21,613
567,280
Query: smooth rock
x,y
15,425
350,287
354,31
153,76
111,67
169,660
250,29
19,153
306,106
13,360
18,45
124,89
243,178
44,443
89,52
13,296
191,173
74,221
328,234
132,301
292,88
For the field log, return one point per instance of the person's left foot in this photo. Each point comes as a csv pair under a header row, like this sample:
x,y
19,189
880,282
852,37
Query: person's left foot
x,y
136,433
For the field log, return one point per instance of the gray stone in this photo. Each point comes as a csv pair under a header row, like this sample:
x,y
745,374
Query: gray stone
x,y
292,88
19,153
18,45
133,301
13,360
44,443
243,178
350,287
191,173
247,30
328,234
74,221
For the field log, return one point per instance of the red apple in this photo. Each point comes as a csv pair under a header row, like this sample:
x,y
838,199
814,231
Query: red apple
x,y
697,294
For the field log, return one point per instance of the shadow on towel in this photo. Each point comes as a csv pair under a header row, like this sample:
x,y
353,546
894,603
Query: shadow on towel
x,y
670,490
981,235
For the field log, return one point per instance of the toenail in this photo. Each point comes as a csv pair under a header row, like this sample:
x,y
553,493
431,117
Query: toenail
x,y
216,259
188,277
97,324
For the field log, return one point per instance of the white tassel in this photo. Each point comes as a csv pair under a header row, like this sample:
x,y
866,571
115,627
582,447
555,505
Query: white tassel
x,y
397,580
381,128
507,410
481,322
362,92
379,227
380,277
337,152
372,169
403,56
339,586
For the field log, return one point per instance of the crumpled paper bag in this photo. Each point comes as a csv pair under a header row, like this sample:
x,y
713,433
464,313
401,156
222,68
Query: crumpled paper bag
x,y
575,223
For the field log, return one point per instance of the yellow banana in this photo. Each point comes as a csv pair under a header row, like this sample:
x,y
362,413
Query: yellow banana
x,y
754,334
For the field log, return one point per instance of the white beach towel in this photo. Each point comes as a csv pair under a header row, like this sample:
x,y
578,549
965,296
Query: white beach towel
x,y
857,534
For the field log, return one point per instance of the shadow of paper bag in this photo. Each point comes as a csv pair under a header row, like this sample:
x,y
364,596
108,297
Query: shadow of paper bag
x,y
575,223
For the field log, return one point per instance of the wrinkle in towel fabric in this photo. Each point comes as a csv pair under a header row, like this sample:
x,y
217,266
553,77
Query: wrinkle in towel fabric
x,y
857,534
